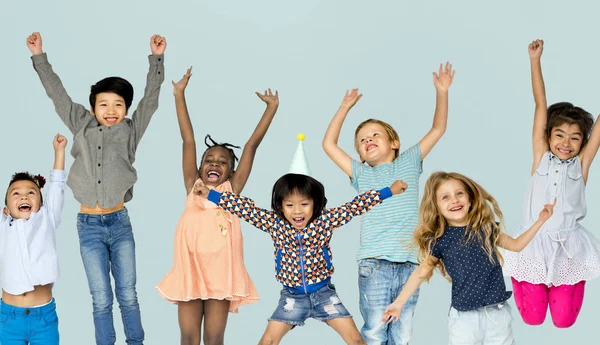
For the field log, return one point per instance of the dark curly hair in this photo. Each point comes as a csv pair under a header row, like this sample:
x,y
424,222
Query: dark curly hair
x,y
229,147
38,180
566,113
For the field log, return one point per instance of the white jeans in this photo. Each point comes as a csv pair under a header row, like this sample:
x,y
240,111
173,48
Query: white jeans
x,y
490,325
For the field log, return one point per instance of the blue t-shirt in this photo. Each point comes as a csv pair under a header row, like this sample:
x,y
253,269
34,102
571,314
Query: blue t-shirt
x,y
386,232
476,282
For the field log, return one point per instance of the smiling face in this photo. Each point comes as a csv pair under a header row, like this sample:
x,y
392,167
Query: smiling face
x,y
453,202
565,141
22,198
298,210
110,109
216,166
374,145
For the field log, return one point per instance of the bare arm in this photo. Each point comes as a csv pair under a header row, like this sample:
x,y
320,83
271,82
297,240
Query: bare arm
x,y
589,151
442,82
540,117
392,312
517,244
189,163
240,177
330,140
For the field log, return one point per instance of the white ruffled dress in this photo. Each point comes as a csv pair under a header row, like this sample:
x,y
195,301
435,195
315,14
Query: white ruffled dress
x,y
563,251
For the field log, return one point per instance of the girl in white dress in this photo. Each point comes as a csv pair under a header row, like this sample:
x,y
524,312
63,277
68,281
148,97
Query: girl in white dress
x,y
553,269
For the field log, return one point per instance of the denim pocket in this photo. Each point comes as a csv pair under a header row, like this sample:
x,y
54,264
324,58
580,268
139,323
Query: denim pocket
x,y
3,318
365,269
50,318
124,218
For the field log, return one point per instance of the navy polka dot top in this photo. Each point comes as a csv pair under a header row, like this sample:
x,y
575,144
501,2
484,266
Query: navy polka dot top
x,y
476,282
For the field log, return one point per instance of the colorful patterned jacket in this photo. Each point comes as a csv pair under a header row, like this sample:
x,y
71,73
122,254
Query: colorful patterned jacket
x,y
302,257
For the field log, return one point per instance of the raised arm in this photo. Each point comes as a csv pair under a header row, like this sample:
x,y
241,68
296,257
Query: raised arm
x,y
72,114
517,244
239,178
339,216
149,102
330,140
419,275
189,159
55,191
590,149
540,117
240,206
442,81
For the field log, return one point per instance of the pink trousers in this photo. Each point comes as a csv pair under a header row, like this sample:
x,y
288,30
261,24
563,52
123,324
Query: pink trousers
x,y
532,301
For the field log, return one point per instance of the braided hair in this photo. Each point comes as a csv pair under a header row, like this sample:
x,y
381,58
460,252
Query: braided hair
x,y
38,180
229,147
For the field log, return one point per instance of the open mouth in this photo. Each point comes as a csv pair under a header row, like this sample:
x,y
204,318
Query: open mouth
x,y
24,208
456,208
564,151
370,147
111,120
298,221
212,176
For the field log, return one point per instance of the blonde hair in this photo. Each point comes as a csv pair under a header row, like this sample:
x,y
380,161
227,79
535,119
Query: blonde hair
x,y
391,132
481,219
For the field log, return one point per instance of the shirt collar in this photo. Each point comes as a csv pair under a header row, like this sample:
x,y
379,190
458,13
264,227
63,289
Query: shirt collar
x,y
555,158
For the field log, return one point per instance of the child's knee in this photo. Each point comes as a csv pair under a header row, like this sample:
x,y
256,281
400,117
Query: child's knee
x,y
533,316
564,320
213,339
190,338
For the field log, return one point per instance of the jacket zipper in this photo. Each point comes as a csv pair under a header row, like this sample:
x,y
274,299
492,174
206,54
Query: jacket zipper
x,y
302,262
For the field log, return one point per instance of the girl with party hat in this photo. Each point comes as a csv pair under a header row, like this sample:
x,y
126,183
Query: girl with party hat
x,y
301,228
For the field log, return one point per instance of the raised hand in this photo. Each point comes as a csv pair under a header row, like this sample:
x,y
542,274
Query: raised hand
x,y
269,98
350,99
391,313
200,189
547,211
536,48
398,187
179,87
59,142
34,43
158,44
443,79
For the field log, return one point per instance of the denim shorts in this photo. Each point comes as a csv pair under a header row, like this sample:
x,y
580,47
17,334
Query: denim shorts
x,y
323,304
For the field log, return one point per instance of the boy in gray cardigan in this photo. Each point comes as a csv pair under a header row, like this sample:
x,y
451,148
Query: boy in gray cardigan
x,y
102,178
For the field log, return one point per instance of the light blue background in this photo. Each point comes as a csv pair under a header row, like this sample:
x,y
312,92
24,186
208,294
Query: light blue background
x,y
311,51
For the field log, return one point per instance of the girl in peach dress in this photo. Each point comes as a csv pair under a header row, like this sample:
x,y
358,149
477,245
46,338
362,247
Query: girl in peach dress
x,y
208,278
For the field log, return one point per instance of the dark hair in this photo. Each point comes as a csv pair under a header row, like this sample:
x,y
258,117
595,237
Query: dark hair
x,y
37,180
566,113
301,184
229,147
116,85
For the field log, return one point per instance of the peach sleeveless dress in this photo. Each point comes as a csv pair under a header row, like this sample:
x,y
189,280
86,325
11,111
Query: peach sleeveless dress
x,y
208,257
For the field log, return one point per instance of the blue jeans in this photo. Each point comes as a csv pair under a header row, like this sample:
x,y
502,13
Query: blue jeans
x,y
106,243
35,326
379,283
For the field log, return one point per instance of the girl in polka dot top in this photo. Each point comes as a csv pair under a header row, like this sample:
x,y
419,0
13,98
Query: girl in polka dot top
x,y
459,235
